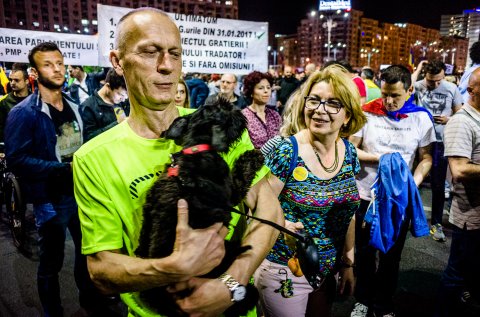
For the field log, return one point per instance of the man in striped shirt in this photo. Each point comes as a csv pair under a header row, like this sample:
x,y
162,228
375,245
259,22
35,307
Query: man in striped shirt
x,y
461,279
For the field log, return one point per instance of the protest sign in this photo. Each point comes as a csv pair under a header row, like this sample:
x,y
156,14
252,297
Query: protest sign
x,y
77,49
210,44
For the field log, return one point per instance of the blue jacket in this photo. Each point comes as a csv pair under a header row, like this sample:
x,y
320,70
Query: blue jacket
x,y
30,149
198,90
395,201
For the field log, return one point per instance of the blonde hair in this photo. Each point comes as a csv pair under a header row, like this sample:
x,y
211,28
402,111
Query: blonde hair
x,y
344,89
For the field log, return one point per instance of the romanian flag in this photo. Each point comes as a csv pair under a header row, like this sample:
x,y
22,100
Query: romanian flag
x,y
411,63
3,79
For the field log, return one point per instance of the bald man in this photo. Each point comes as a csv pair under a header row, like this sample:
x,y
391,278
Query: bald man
x,y
148,54
460,280
288,84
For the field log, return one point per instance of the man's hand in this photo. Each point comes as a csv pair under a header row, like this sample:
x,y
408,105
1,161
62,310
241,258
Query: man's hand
x,y
209,297
295,227
197,251
440,119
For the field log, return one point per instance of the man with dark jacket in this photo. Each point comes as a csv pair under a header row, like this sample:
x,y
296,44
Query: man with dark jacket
x,y
106,108
288,84
19,84
41,135
84,84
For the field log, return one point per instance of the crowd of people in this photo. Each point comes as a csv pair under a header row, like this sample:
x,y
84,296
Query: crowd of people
x,y
346,151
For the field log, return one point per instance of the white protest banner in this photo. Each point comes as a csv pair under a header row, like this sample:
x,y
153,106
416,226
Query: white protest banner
x,y
76,49
210,45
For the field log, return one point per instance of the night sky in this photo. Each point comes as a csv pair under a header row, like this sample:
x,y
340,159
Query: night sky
x,y
284,19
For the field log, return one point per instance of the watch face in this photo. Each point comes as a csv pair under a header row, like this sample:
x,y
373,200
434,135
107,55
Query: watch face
x,y
239,293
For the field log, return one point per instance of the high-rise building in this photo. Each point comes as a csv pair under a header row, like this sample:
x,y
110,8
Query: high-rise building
x,y
80,16
465,25
368,42
287,48
453,25
327,36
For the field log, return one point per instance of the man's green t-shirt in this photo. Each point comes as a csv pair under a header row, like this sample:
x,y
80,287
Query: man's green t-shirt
x,y
112,174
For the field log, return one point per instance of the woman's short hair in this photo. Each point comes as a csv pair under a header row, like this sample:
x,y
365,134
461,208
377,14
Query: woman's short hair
x,y
252,79
344,89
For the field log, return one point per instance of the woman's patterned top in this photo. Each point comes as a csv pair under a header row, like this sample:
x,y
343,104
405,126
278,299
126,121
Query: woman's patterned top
x,y
325,207
260,132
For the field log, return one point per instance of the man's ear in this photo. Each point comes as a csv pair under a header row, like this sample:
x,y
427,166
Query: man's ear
x,y
116,62
34,72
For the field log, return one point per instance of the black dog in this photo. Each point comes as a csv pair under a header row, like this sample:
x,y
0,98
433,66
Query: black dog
x,y
199,175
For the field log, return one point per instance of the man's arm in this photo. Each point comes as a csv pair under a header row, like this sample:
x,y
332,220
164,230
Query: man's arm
x,y
260,236
363,156
196,252
210,297
19,141
463,169
417,71
424,165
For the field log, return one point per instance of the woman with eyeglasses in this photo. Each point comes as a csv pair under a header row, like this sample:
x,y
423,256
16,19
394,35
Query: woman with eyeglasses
x,y
313,175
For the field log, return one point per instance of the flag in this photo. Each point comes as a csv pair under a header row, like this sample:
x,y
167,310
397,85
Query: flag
x,y
3,79
411,63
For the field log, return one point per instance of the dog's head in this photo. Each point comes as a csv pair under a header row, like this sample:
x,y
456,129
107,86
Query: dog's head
x,y
219,124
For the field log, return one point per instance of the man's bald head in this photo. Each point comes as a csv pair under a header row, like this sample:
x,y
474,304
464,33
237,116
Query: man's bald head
x,y
474,78
137,17
473,88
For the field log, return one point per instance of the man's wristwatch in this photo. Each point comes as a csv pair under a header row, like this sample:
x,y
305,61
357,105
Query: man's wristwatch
x,y
238,291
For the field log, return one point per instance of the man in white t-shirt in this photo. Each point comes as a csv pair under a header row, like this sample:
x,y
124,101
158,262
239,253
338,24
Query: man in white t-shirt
x,y
442,99
393,125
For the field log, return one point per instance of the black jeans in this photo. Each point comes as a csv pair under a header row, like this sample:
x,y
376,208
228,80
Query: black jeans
x,y
376,286
438,175
52,234
462,271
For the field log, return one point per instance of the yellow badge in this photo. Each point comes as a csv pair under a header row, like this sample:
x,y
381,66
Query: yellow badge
x,y
300,173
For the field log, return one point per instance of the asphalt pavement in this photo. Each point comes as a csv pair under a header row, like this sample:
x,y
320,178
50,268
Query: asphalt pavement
x,y
423,261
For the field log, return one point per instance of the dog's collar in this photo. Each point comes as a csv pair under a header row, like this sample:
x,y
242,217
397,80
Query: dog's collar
x,y
197,149
172,171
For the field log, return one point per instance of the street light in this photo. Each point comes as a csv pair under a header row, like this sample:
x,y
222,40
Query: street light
x,y
329,25
453,56
274,53
444,54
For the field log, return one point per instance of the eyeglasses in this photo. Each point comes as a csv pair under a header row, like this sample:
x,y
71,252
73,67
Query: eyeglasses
x,y
329,106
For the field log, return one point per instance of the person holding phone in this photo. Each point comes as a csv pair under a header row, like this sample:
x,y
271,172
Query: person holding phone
x,y
442,99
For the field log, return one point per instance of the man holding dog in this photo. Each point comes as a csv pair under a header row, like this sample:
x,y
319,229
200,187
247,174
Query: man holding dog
x,y
114,171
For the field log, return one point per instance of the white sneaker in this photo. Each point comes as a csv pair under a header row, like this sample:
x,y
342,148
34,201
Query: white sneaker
x,y
436,231
359,310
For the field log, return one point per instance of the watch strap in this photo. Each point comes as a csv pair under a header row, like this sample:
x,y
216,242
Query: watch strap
x,y
228,280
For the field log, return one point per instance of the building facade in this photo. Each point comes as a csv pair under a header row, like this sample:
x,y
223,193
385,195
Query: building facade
x,y
466,25
368,42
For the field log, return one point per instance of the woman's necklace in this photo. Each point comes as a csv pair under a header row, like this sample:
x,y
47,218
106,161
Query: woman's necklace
x,y
334,166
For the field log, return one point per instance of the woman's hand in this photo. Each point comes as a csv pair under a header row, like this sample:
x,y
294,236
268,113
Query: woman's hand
x,y
295,227
346,281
